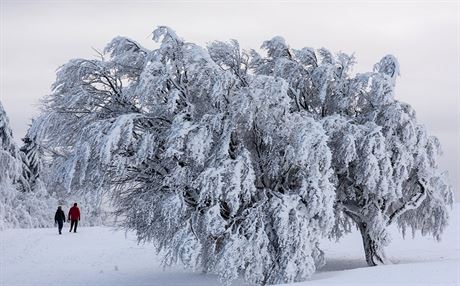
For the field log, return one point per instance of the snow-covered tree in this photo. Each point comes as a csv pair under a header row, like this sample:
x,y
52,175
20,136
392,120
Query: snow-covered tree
x,y
31,154
202,159
10,171
237,163
385,162
18,206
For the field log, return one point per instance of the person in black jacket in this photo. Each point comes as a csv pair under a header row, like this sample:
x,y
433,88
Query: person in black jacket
x,y
59,218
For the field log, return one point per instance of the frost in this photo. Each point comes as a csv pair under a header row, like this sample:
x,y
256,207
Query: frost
x,y
24,200
237,163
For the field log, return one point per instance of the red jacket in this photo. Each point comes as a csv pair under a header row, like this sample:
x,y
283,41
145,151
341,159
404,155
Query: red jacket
x,y
74,213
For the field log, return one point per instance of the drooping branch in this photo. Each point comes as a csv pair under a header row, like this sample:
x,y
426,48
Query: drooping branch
x,y
413,203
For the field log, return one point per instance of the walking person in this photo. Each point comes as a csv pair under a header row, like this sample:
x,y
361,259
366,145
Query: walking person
x,y
59,219
74,217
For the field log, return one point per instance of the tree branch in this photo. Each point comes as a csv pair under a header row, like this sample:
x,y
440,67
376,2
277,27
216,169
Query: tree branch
x,y
413,203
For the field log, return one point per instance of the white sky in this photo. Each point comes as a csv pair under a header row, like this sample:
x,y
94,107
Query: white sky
x,y
39,36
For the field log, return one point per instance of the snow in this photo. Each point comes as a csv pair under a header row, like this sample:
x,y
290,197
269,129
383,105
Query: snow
x,y
105,256
306,130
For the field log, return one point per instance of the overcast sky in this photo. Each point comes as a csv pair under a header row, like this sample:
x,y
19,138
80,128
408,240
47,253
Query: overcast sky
x,y
39,36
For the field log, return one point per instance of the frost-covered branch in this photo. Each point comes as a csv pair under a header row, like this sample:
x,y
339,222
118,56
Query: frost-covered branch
x,y
413,203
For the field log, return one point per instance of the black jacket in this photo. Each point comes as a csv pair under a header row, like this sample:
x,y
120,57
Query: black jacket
x,y
59,216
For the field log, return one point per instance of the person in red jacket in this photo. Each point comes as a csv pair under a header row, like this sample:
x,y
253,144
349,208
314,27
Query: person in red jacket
x,y
74,217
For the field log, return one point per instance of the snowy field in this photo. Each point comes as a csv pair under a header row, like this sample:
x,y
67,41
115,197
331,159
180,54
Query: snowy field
x,y
102,256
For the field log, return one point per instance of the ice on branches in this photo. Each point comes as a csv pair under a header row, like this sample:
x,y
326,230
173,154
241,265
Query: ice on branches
x,y
237,163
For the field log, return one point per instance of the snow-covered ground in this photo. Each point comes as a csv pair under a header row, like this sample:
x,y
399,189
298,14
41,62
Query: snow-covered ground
x,y
102,256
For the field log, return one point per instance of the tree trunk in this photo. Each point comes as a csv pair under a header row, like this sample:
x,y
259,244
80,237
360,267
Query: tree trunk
x,y
373,249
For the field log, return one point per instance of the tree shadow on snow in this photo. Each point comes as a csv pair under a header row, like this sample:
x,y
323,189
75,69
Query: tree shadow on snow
x,y
339,264
333,265
172,278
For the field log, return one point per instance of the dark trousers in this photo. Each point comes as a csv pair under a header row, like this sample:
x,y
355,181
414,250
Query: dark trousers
x,y
72,223
60,225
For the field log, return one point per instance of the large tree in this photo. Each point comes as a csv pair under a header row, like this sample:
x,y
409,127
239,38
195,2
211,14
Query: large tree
x,y
235,162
